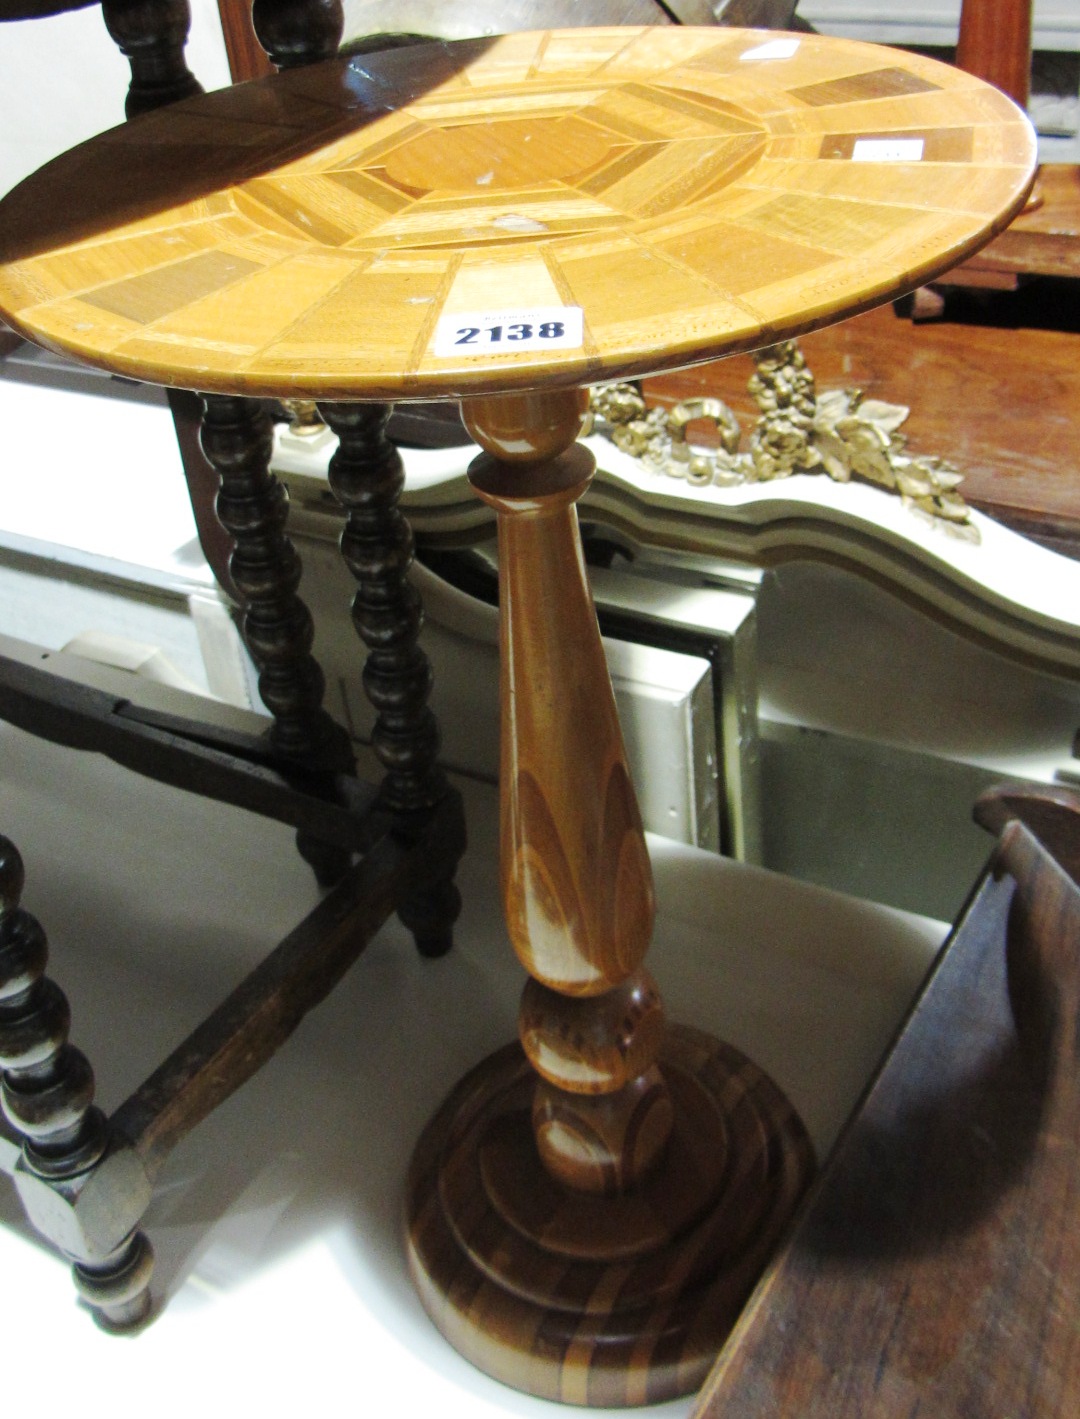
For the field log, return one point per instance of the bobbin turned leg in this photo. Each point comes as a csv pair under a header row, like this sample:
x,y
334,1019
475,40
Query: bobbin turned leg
x,y
152,38
298,32
366,476
237,439
587,1214
47,1094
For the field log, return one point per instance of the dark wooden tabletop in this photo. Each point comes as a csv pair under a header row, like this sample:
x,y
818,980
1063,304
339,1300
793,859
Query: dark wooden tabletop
x,y
40,9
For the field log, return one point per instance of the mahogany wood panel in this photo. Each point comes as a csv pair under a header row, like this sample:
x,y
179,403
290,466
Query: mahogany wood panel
x,y
936,1271
305,232
247,58
995,44
1051,812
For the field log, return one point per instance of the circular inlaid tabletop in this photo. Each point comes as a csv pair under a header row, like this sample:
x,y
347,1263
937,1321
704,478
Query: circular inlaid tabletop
x,y
559,207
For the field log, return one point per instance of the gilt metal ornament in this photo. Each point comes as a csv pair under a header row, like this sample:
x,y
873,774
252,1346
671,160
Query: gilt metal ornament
x,y
838,432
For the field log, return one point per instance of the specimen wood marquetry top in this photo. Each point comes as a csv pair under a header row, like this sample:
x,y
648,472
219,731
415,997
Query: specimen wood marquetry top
x,y
555,207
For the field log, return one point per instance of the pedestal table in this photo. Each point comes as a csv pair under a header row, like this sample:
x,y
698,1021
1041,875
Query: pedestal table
x,y
507,221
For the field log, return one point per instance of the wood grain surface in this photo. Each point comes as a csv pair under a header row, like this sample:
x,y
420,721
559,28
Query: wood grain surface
x,y
693,195
247,58
935,1272
602,1301
1044,240
575,873
995,43
585,1214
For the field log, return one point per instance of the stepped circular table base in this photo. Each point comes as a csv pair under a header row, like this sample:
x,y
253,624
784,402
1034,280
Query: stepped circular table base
x,y
603,1301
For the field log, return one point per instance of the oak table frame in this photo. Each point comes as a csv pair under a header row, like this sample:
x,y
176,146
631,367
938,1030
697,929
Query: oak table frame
x,y
505,221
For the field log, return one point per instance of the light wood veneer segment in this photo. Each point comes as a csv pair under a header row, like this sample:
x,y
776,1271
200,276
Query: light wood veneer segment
x,y
305,232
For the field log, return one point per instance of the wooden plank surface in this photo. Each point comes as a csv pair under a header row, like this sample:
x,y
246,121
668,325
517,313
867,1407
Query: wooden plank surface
x,y
1044,241
936,1270
692,194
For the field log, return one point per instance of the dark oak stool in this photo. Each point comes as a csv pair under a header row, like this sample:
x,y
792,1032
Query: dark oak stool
x,y
86,1180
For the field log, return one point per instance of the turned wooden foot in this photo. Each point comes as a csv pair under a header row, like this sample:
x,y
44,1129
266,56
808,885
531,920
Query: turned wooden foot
x,y
47,1092
118,1291
430,915
590,1208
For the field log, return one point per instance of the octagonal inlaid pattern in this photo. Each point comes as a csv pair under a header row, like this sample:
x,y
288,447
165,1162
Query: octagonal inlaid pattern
x,y
693,191
464,157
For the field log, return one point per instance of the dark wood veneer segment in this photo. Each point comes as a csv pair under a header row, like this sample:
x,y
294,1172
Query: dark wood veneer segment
x,y
39,9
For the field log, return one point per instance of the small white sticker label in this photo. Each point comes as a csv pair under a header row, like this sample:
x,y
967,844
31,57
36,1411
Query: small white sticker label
x,y
888,150
506,332
773,49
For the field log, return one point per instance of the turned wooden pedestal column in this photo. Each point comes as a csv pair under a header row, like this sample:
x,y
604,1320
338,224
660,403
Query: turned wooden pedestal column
x,y
589,1209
